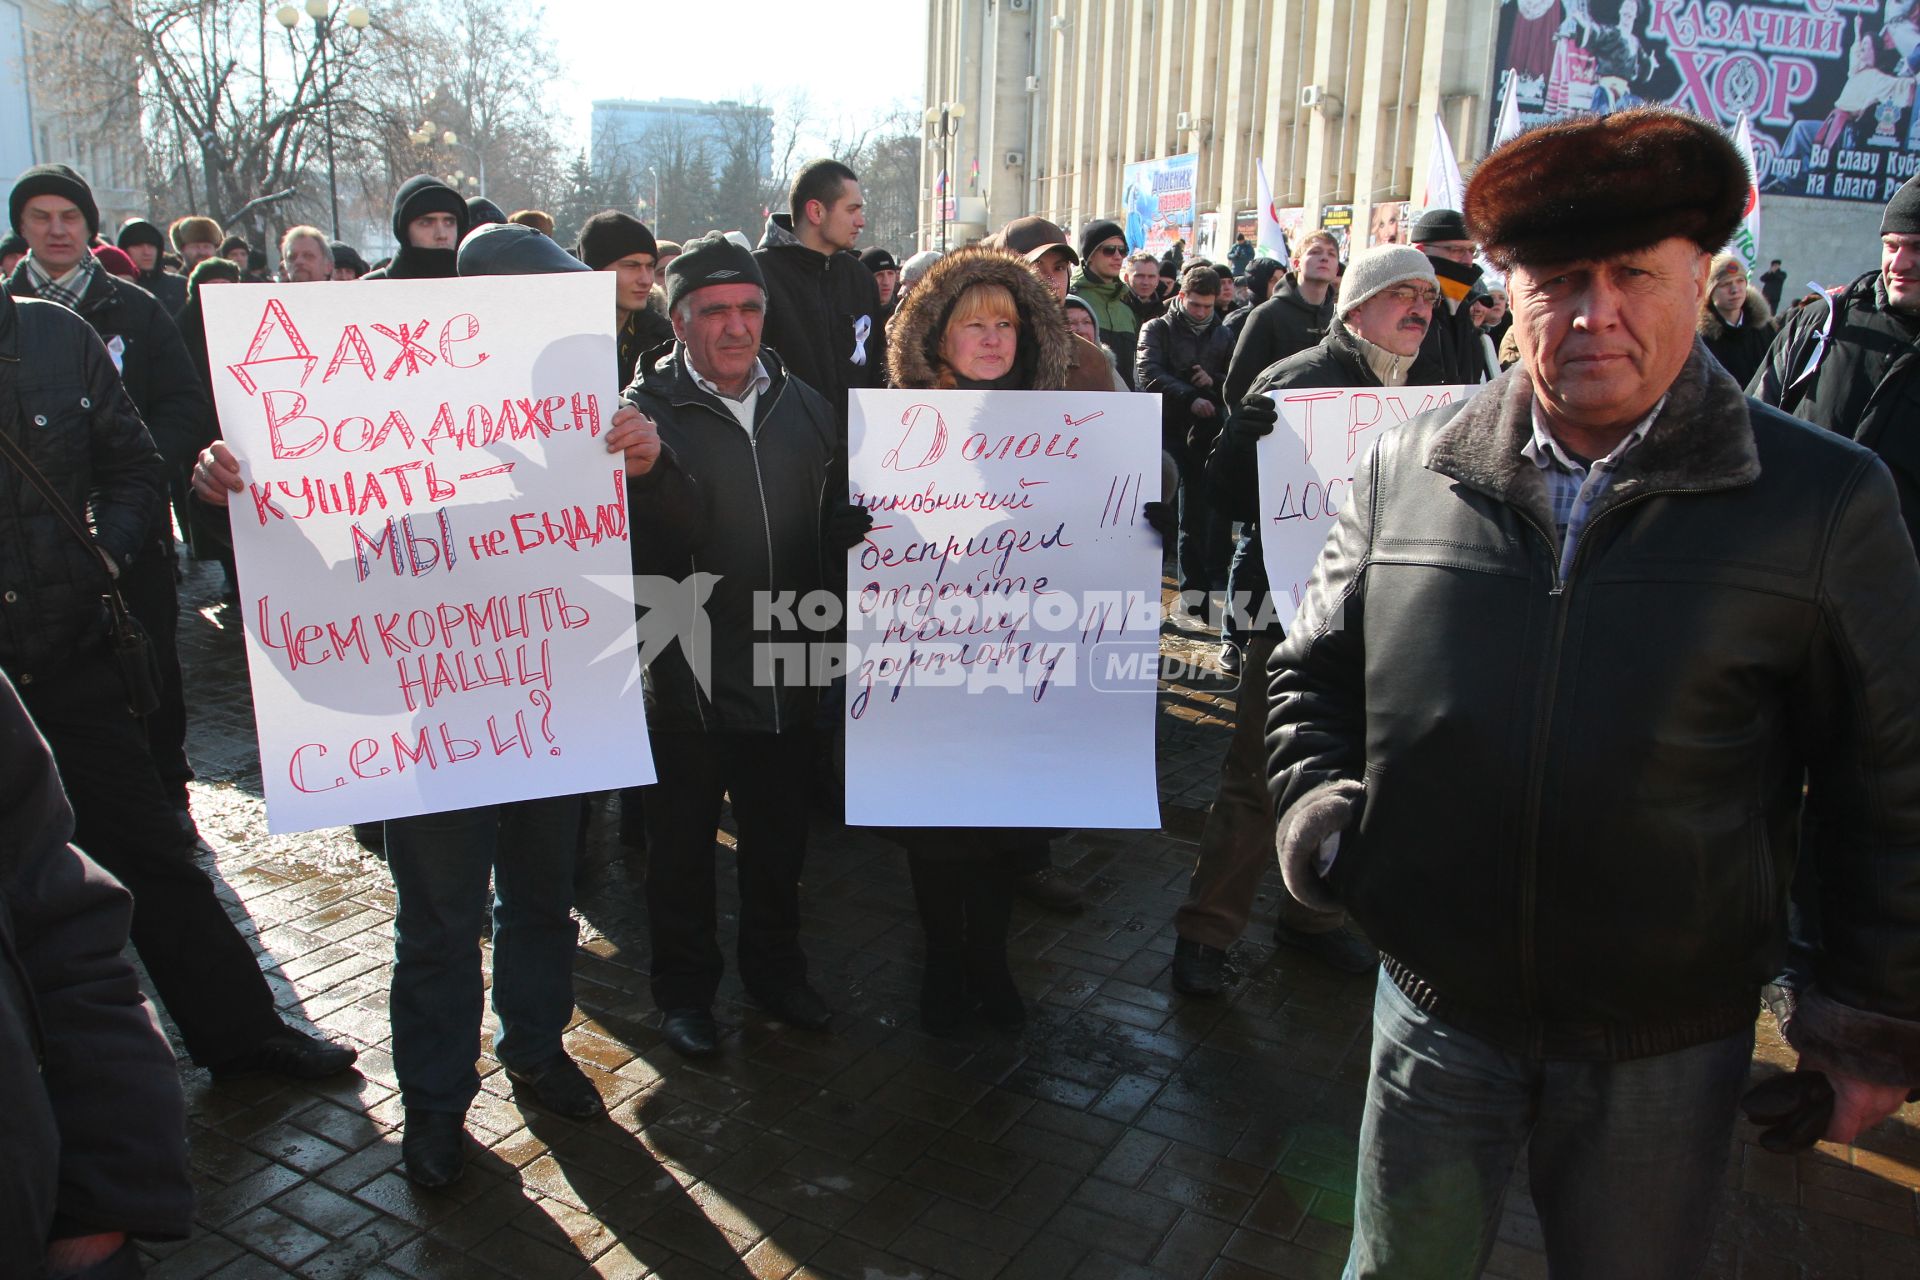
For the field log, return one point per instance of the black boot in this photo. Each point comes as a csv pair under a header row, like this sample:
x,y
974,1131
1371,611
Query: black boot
x,y
938,891
989,897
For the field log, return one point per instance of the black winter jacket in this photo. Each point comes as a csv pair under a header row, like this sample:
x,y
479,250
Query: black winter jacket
x,y
640,333
1452,344
1166,358
169,288
94,1127
62,401
154,364
749,511
1866,385
1741,348
1277,328
1582,797
823,315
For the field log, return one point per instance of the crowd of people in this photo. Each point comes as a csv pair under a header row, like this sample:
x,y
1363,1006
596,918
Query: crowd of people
x,y
1601,670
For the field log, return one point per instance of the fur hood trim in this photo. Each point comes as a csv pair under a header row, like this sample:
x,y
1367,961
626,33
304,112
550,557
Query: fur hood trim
x,y
913,344
1757,314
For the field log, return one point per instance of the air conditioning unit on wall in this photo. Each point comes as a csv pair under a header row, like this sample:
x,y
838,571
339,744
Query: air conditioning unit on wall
x,y
1014,159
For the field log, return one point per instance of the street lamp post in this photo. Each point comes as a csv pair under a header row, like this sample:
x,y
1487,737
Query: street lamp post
x,y
357,18
656,198
452,139
945,120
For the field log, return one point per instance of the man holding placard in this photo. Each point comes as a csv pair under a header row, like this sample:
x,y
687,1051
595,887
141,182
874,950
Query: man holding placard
x,y
1386,301
737,474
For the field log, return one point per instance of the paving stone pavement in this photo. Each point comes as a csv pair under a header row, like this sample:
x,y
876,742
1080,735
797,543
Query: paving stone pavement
x,y
1127,1133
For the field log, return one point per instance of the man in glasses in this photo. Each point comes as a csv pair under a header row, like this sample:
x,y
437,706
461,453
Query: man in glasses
x,y
1103,255
1386,301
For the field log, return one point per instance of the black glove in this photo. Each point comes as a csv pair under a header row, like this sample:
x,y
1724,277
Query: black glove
x,y
1793,1110
845,526
1252,418
1160,516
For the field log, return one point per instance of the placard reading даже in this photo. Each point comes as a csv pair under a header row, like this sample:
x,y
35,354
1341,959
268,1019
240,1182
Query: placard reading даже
x,y
1003,614
432,546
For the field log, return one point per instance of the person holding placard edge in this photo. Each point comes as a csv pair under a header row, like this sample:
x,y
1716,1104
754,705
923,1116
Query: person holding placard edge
x,y
982,320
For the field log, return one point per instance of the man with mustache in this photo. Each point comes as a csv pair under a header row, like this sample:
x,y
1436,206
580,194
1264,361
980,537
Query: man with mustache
x,y
1386,301
1576,661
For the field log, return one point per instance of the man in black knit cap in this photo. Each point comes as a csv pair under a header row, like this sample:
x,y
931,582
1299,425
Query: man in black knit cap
x,y
429,221
621,243
1850,366
144,243
733,464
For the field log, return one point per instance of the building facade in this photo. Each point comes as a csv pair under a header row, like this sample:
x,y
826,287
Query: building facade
x,y
1161,112
633,133
42,122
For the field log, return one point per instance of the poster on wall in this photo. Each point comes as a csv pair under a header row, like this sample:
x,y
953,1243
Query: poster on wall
x,y
1158,201
1338,219
1389,222
1828,85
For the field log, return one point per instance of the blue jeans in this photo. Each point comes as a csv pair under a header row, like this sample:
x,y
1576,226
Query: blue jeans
x,y
441,864
1625,1159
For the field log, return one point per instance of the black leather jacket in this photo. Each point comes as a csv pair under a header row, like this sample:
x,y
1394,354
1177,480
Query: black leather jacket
x,y
62,401
746,510
1582,797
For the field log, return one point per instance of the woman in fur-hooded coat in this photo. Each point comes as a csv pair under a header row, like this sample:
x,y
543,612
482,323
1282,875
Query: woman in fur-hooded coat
x,y
1045,352
1739,343
963,876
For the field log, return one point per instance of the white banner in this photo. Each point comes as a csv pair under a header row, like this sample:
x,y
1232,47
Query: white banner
x,y
1003,615
433,554
1306,468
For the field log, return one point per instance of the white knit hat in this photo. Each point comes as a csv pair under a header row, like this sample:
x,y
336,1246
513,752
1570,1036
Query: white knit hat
x,y
1381,267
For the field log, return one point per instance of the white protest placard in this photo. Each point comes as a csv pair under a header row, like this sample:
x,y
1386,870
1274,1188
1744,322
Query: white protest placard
x,y
1306,468
1003,615
435,580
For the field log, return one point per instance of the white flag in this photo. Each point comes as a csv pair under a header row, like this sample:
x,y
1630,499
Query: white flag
x,y
1509,111
1272,240
1445,189
1746,241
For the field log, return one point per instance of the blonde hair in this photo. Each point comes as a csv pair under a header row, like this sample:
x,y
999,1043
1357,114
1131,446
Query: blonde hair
x,y
1306,241
977,301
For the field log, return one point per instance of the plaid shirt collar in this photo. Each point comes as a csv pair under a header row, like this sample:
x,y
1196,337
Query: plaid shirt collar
x,y
1574,486
69,288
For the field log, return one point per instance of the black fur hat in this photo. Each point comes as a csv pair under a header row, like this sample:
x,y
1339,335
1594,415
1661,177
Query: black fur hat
x,y
1596,186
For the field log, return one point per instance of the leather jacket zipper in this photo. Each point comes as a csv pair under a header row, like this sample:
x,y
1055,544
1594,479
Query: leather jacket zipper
x,y
759,482
766,527
1543,725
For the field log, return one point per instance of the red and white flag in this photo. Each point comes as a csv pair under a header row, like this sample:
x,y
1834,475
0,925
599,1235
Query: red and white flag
x,y
1746,241
1272,239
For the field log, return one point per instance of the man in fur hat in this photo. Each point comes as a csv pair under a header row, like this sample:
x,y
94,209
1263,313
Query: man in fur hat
x,y
1542,726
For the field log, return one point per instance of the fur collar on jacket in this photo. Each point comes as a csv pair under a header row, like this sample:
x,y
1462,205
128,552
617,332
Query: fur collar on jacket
x,y
913,335
1754,314
1702,440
